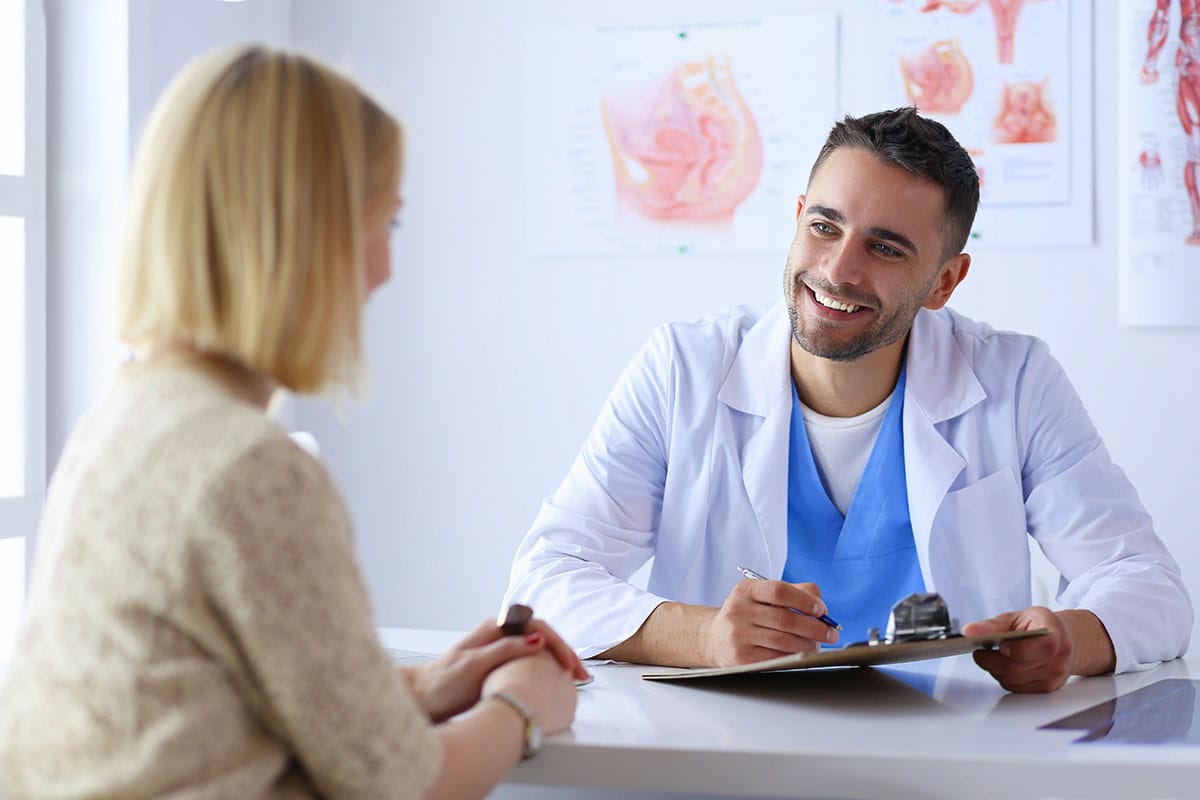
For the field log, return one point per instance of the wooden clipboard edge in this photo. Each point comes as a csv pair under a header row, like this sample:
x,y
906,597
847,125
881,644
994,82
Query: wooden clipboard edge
x,y
856,656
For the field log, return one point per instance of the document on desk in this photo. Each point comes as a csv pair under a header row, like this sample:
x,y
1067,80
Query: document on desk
x,y
856,655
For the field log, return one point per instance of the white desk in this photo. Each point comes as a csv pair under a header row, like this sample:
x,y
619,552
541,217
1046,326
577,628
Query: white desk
x,y
930,730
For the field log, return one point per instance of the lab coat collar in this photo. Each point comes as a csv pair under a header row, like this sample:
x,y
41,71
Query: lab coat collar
x,y
940,380
762,369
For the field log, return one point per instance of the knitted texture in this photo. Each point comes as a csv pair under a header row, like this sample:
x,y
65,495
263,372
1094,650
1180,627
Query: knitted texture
x,y
197,624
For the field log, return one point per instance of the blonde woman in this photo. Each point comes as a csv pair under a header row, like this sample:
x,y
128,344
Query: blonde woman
x,y
197,624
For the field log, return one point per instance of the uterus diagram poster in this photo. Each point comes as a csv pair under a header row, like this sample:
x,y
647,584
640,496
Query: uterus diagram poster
x,y
677,137
1158,154
1011,79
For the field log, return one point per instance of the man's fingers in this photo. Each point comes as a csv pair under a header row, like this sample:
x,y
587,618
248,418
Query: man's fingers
x,y
997,624
785,621
759,620
749,644
772,606
1021,655
1042,648
783,642
789,595
1015,675
1027,681
809,588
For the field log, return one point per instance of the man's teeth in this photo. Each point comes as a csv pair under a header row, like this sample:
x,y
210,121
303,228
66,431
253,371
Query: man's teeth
x,y
829,302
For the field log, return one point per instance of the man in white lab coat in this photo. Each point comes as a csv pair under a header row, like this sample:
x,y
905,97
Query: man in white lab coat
x,y
854,443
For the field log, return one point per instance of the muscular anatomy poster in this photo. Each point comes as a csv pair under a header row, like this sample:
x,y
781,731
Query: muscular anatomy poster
x,y
1012,80
679,137
1158,148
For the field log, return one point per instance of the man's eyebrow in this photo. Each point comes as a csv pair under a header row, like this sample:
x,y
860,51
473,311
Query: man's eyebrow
x,y
898,238
833,215
825,211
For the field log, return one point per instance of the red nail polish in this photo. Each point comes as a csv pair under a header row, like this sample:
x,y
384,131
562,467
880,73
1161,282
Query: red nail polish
x,y
533,638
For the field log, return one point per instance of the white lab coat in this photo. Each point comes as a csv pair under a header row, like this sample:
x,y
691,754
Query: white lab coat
x,y
688,463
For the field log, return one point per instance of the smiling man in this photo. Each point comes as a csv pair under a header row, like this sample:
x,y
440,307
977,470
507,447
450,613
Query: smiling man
x,y
855,443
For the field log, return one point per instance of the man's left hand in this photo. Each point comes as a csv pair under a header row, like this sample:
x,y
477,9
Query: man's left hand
x,y
1076,645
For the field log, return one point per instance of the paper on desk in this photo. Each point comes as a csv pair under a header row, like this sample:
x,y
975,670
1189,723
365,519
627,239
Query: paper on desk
x,y
858,655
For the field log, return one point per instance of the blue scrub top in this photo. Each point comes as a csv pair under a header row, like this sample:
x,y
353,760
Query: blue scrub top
x,y
866,561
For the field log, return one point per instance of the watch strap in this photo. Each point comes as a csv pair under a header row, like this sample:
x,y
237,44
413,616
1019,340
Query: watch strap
x,y
533,731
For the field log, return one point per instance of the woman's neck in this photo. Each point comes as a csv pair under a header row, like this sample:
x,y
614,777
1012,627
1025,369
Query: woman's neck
x,y
241,381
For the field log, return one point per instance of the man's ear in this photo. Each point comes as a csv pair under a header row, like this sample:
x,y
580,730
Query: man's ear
x,y
799,206
950,276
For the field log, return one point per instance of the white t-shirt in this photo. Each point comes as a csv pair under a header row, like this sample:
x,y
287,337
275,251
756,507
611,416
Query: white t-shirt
x,y
841,447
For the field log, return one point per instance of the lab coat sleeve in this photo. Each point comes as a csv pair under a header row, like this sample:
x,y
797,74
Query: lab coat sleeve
x,y
591,535
1088,520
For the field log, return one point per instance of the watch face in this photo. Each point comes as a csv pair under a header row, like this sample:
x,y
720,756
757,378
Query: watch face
x,y
533,738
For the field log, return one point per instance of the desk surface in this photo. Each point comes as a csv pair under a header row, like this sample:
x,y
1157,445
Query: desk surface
x,y
929,730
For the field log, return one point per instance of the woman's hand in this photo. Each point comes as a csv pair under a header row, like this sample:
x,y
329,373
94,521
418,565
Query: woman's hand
x,y
453,682
545,687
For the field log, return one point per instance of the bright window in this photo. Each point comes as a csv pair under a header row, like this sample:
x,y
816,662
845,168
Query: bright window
x,y
12,87
12,593
22,299
12,356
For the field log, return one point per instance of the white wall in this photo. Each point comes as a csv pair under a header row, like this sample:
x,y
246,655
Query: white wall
x,y
490,365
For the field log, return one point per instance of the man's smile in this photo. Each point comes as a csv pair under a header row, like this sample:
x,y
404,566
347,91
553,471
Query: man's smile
x,y
832,307
829,302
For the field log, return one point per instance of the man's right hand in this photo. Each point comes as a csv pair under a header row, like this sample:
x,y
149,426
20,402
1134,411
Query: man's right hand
x,y
757,622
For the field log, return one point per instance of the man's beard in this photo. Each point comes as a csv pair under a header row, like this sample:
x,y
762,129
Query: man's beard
x,y
885,330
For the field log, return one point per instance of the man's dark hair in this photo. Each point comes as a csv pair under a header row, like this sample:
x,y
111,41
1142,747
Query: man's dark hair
x,y
924,148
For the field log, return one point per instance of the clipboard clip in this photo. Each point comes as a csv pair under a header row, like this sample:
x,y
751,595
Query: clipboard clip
x,y
918,617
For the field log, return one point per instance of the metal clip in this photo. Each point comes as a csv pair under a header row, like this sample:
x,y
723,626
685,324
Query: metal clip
x,y
919,616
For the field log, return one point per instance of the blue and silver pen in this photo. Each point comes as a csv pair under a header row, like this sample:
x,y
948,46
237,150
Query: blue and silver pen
x,y
754,576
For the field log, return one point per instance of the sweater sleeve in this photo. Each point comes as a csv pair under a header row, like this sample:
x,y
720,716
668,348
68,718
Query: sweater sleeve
x,y
274,544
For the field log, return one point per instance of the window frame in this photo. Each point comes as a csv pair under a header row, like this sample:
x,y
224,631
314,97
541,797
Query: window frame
x,y
24,196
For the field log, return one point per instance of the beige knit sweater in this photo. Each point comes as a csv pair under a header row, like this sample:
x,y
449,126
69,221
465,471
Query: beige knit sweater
x,y
197,624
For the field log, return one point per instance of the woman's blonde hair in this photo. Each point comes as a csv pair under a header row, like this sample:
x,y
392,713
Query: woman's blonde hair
x,y
259,178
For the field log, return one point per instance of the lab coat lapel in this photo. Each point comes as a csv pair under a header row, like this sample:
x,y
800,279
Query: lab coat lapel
x,y
941,386
758,384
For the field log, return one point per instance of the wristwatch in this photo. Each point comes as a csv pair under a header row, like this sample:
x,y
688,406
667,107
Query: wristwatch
x,y
533,731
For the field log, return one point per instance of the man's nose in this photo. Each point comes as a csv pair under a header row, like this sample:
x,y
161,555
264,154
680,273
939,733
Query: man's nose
x,y
844,263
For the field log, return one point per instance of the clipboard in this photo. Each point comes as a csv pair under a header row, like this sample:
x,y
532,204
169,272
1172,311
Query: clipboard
x,y
857,655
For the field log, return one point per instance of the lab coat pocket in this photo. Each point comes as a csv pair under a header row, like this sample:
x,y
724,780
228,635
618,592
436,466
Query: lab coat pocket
x,y
981,540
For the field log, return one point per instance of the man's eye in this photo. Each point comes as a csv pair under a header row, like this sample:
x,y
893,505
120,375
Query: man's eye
x,y
890,252
822,227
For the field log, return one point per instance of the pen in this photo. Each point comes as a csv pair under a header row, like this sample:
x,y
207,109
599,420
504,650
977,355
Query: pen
x,y
754,576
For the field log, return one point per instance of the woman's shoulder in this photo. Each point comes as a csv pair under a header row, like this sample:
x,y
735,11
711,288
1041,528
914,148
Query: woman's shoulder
x,y
183,438
243,459
188,419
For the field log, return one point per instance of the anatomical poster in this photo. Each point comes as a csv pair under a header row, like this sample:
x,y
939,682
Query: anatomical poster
x,y
1011,79
1158,152
677,137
